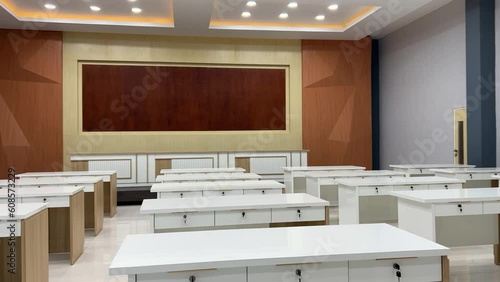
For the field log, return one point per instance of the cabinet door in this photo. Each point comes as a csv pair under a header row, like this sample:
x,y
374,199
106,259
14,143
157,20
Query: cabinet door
x,y
316,272
215,275
412,270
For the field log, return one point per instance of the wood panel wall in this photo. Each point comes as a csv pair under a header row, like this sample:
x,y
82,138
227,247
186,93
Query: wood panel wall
x,y
336,102
30,100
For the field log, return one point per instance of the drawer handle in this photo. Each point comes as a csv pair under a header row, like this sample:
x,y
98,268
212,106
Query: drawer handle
x,y
182,195
44,200
298,272
460,207
411,187
185,219
243,214
421,171
446,186
192,278
470,176
298,212
263,192
223,193
376,189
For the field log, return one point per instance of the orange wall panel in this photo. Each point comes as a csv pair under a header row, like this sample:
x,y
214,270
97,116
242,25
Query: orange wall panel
x,y
336,102
30,101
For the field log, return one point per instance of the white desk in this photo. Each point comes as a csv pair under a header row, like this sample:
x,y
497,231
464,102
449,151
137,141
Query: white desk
x,y
203,170
464,217
368,200
217,188
315,181
31,243
295,176
350,253
223,176
478,177
94,195
237,211
424,169
65,215
108,177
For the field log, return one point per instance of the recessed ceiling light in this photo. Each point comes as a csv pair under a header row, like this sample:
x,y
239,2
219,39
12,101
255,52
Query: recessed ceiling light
x,y
132,0
320,17
293,5
251,3
283,16
95,8
333,7
50,6
136,10
246,14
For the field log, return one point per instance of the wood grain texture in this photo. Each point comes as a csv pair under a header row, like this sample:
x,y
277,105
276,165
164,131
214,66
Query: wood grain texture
x,y
243,163
35,242
336,102
445,269
94,208
181,98
59,230
162,164
77,225
296,224
113,195
4,252
30,100
80,165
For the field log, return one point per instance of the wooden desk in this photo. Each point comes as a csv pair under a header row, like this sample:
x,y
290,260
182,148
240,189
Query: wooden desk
x,y
369,200
203,170
316,181
108,178
32,243
66,216
223,176
94,196
465,217
425,169
295,176
217,188
318,253
478,177
237,211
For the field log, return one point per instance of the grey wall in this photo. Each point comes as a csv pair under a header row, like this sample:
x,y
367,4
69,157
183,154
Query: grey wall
x,y
422,79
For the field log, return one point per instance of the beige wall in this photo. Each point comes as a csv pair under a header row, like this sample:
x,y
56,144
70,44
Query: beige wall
x,y
107,48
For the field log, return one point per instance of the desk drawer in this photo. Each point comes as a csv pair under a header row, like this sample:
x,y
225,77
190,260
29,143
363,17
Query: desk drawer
x,y
210,193
478,176
180,220
451,209
242,217
215,275
374,190
426,269
419,187
164,195
52,202
314,272
445,186
298,214
262,191
491,207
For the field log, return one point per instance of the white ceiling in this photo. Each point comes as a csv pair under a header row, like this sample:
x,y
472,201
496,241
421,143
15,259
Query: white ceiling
x,y
354,18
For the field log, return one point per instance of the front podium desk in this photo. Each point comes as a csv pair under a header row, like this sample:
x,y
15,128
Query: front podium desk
x,y
31,242
350,253
196,213
65,206
453,218
94,195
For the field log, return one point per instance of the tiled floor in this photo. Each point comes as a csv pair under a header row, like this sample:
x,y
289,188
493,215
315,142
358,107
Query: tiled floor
x,y
474,264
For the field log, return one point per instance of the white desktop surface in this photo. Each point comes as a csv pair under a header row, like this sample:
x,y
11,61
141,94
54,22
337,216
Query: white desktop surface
x,y
23,211
66,173
207,177
322,168
201,170
468,170
398,181
230,203
56,191
53,180
216,185
154,253
430,166
446,196
355,173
